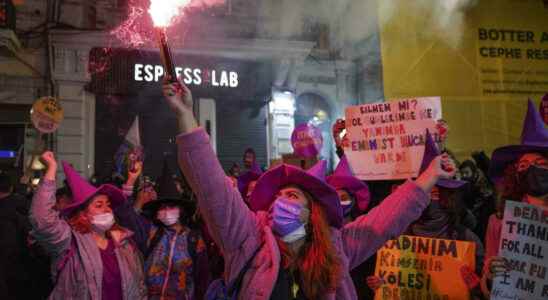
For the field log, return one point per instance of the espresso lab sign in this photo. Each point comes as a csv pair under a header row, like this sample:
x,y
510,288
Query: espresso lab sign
x,y
415,267
386,139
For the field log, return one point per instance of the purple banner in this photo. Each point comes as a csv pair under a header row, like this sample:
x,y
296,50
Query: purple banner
x,y
307,140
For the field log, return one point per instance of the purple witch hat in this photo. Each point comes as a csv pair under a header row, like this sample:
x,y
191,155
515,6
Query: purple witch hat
x,y
430,153
311,181
245,179
82,191
343,178
534,138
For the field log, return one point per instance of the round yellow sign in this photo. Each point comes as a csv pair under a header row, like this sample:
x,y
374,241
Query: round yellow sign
x,y
46,114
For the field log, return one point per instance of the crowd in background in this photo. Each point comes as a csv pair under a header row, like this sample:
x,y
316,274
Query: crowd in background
x,y
153,243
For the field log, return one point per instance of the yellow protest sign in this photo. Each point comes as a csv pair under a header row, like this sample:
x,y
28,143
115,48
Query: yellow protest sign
x,y
415,267
46,114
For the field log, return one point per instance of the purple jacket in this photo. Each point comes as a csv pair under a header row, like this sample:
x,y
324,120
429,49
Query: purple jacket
x,y
239,232
82,271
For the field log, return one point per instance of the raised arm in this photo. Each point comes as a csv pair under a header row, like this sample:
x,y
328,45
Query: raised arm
x,y
48,228
368,233
230,222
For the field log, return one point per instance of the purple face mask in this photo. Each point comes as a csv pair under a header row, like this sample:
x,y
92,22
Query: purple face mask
x,y
347,207
286,216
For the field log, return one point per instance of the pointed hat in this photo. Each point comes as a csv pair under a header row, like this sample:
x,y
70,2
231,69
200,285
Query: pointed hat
x,y
534,138
82,191
343,178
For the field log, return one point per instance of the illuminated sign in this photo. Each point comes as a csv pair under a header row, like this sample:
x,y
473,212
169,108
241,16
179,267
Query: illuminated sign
x,y
190,76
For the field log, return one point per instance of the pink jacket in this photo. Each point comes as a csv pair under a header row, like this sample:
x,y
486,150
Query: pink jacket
x,y
239,232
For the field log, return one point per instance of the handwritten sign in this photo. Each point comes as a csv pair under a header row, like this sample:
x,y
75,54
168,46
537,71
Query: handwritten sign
x,y
415,267
544,108
386,140
46,114
524,242
307,140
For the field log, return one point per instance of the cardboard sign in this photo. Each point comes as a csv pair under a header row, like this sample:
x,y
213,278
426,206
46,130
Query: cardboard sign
x,y
46,114
524,242
415,267
307,140
386,139
544,109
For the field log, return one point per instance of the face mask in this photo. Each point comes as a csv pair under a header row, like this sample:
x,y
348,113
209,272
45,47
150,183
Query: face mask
x,y
537,181
347,207
286,220
169,217
102,222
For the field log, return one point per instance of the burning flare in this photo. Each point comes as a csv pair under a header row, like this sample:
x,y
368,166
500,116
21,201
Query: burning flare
x,y
164,12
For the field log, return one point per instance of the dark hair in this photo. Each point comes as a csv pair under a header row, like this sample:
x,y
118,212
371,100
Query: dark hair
x,y
468,164
454,205
250,150
5,183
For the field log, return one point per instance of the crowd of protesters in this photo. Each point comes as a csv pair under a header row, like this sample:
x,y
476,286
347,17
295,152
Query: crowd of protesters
x,y
251,233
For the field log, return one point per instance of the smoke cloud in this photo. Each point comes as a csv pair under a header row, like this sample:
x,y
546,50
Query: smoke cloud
x,y
352,21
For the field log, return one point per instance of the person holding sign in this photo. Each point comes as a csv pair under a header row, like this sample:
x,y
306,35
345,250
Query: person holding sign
x,y
442,220
522,171
292,243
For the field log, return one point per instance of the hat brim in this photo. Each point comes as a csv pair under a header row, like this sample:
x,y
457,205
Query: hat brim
x,y
506,155
275,179
354,186
114,194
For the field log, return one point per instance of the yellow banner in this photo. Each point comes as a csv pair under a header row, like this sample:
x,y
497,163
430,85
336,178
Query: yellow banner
x,y
423,268
484,60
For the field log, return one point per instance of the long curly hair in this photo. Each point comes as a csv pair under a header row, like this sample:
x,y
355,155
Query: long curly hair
x,y
317,262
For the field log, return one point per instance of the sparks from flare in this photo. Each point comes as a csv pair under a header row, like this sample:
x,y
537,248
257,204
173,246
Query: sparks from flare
x,y
165,12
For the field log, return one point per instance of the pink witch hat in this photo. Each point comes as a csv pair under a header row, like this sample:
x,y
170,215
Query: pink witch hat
x,y
343,178
311,181
430,153
534,138
83,191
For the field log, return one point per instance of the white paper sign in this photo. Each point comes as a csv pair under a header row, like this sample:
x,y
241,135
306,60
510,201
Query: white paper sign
x,y
386,139
524,242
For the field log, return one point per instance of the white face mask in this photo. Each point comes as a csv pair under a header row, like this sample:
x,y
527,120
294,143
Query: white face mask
x,y
295,235
169,216
102,222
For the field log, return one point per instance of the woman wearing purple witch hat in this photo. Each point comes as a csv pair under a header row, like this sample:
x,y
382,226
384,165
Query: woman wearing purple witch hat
x,y
353,193
293,236
442,219
93,257
521,173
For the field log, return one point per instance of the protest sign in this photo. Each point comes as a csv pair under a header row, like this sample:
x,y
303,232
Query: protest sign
x,y
415,267
524,243
307,140
46,114
386,140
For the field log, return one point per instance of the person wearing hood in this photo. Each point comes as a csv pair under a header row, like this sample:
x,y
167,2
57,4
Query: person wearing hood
x,y
521,173
176,263
353,193
291,243
92,256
